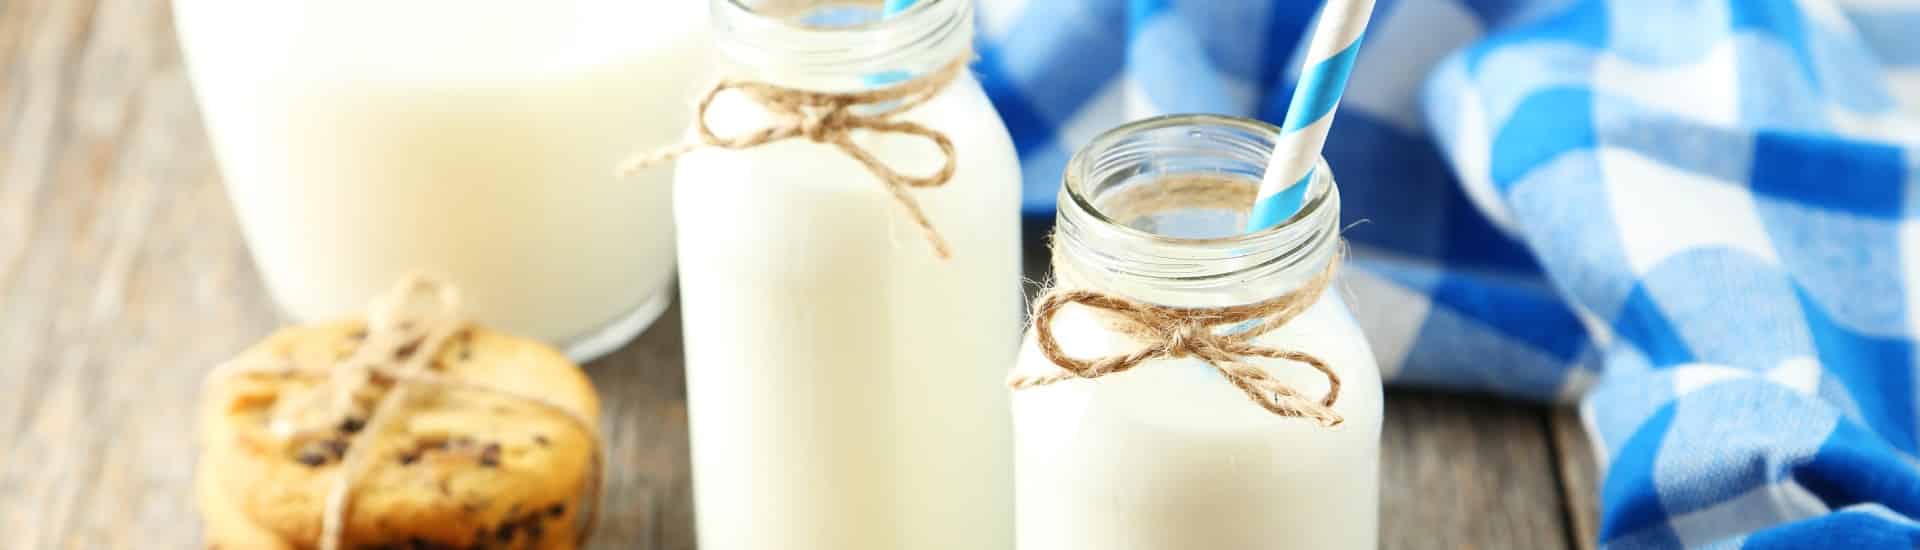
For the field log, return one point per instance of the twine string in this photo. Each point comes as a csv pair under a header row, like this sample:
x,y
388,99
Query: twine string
x,y
1212,335
831,118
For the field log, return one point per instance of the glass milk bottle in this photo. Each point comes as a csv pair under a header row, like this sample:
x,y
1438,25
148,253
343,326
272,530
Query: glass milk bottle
x,y
364,139
841,387
1169,454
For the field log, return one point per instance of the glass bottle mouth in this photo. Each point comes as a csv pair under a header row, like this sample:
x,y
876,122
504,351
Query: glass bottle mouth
x,y
842,38
1161,203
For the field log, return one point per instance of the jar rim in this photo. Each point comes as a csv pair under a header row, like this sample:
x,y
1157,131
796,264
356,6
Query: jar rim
x,y
918,7
1080,168
1092,241
925,36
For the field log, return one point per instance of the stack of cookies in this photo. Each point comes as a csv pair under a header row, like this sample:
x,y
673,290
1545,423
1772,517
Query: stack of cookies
x,y
448,465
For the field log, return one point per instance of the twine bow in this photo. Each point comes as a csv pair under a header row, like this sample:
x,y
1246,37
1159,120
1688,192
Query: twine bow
x,y
1170,332
830,118
407,327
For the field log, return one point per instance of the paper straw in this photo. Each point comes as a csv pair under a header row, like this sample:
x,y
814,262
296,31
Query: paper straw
x,y
1330,53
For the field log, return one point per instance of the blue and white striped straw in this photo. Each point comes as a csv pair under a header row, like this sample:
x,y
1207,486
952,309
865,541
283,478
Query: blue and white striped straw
x,y
1330,55
895,6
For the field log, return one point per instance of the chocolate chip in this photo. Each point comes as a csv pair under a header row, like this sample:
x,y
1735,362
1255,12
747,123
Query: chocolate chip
x,y
541,439
311,458
357,334
335,447
534,530
490,456
407,350
556,510
506,532
407,459
352,425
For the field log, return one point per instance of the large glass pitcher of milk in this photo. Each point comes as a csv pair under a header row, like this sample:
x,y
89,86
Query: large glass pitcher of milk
x,y
363,139
1226,400
843,379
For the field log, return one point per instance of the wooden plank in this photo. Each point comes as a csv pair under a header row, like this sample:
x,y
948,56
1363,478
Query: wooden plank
x,y
643,399
115,293
1579,476
1465,472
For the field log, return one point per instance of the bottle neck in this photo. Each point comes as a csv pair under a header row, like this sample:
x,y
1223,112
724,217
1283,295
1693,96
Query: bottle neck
x,y
1155,211
839,45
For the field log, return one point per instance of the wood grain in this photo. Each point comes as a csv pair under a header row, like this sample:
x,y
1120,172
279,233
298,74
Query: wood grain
x,y
123,277
1579,475
1463,472
644,404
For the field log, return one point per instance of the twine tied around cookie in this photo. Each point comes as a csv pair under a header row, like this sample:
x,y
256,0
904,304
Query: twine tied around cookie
x,y
1212,335
408,327
831,118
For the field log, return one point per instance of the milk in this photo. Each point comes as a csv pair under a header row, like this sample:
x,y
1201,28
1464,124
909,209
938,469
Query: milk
x,y
1170,456
361,140
843,383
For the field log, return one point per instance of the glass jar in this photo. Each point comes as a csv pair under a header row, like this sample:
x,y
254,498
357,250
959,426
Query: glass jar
x,y
1170,455
364,139
843,380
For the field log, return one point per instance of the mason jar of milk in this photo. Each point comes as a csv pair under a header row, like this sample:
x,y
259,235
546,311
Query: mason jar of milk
x,y
847,310
1186,385
365,139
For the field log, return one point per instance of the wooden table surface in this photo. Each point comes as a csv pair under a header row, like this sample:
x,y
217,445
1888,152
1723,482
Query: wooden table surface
x,y
122,278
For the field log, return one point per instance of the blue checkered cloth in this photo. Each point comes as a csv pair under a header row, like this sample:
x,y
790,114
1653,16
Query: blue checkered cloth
x,y
1696,217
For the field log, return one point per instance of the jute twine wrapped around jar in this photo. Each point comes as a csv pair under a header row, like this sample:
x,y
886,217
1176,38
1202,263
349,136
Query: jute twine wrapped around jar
x,y
1220,336
830,118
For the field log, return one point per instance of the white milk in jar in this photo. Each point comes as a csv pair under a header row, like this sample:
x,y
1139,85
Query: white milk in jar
x,y
361,140
842,391
1169,455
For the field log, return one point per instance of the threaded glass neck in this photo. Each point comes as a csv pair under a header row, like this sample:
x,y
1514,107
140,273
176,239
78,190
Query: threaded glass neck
x,y
835,45
1155,210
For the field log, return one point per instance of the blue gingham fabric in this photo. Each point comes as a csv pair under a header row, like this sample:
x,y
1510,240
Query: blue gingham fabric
x,y
1698,218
